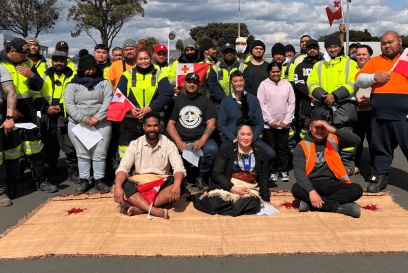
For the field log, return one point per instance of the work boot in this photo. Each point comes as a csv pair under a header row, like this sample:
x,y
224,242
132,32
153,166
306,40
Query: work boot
x,y
100,186
46,186
201,185
83,186
4,200
303,206
73,175
377,183
350,209
12,187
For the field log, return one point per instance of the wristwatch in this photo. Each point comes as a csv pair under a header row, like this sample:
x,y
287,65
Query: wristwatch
x,y
9,117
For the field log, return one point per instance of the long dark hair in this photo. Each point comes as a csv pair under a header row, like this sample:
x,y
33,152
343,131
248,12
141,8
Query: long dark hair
x,y
245,119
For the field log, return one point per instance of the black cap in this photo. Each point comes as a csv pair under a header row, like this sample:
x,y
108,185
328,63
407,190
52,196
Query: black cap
x,y
290,47
18,45
332,40
206,44
278,48
61,44
228,46
192,76
312,42
354,45
59,54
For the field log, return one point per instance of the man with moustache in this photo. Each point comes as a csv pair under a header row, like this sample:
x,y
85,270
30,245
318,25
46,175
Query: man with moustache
x,y
257,66
117,54
54,124
160,59
193,121
40,62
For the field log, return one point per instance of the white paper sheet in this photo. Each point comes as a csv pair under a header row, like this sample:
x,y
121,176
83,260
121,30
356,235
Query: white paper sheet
x,y
27,125
192,156
89,136
267,209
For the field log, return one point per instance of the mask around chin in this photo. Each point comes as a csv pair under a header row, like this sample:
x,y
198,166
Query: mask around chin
x,y
241,49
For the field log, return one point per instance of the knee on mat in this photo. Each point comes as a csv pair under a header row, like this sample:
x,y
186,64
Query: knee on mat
x,y
357,191
297,191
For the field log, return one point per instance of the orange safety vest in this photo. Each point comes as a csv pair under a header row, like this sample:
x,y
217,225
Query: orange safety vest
x,y
331,155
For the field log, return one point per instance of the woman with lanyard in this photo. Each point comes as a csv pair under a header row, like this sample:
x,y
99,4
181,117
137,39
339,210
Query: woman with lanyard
x,y
148,89
240,175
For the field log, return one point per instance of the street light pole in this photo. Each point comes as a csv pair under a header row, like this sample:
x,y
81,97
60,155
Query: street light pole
x,y
347,27
239,19
172,36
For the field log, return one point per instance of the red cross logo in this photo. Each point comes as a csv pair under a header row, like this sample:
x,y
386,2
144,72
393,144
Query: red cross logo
x,y
337,4
118,95
185,69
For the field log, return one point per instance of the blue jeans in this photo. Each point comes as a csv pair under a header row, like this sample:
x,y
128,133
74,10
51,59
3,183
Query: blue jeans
x,y
268,149
210,151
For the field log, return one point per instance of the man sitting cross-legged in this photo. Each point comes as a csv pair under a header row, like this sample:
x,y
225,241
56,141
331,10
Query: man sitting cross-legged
x,y
322,181
152,153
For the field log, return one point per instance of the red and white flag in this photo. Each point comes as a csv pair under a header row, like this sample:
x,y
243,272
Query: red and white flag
x,y
184,68
401,66
149,192
334,11
118,107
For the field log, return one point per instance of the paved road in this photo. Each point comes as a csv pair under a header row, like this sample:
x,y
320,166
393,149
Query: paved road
x,y
27,200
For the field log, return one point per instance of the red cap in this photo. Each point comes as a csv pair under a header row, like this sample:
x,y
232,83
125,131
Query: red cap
x,y
160,48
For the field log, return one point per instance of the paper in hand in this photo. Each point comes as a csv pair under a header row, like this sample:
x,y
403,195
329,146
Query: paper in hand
x,y
88,136
192,156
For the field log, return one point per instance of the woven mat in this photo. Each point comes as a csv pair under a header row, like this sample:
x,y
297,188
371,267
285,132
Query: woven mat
x,y
101,231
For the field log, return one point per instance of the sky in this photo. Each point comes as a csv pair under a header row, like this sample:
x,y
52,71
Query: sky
x,y
271,21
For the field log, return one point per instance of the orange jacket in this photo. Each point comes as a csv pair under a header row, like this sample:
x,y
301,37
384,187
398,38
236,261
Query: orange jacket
x,y
115,71
331,155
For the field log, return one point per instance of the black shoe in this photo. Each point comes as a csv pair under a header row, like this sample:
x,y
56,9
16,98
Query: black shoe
x,y
83,186
12,188
46,186
100,186
350,209
378,183
73,175
201,185
4,200
303,206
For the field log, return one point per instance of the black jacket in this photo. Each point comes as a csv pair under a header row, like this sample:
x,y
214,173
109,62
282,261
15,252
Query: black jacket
x,y
199,58
223,165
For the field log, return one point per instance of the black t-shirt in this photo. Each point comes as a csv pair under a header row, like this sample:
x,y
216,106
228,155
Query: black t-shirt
x,y
258,74
191,115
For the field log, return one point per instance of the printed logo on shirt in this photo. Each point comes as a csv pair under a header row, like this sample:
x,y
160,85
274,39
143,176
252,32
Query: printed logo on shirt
x,y
320,160
306,71
190,116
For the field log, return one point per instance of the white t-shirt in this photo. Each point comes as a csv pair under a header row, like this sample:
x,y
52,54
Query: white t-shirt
x,y
4,77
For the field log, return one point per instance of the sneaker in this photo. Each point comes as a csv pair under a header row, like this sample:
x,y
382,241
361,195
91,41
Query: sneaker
x,y
46,186
273,178
285,177
377,183
4,200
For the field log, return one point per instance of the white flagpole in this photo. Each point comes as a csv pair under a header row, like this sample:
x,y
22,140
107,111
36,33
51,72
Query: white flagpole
x,y
347,27
342,10
148,215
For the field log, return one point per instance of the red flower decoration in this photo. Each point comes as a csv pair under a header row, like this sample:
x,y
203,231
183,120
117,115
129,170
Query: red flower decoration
x,y
371,207
288,205
75,211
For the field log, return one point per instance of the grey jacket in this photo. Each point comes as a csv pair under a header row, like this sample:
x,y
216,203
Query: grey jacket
x,y
82,103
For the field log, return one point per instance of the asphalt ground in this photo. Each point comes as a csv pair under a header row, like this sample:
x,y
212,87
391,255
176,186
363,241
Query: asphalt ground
x,y
27,200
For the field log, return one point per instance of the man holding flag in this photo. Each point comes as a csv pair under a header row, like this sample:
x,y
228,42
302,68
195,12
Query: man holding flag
x,y
152,153
387,76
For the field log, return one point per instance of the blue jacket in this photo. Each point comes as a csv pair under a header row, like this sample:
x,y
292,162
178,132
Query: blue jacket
x,y
230,112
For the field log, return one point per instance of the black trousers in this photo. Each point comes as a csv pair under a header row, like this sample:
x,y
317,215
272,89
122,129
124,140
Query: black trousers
x,y
333,194
3,173
278,140
362,128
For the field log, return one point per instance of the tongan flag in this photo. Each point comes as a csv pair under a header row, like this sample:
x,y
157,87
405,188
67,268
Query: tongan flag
x,y
334,11
401,66
149,192
184,68
118,107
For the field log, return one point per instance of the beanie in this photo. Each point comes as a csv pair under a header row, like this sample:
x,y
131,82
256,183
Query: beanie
x,y
290,47
86,60
129,42
278,48
257,43
332,40
206,44
189,43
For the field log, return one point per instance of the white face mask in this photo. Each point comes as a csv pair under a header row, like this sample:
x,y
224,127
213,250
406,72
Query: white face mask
x,y
241,49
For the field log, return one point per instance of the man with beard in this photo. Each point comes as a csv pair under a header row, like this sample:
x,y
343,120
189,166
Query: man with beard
x,y
63,46
193,121
40,62
257,66
209,51
301,75
160,59
54,124
152,153
353,51
331,82
101,55
117,54
118,68
190,55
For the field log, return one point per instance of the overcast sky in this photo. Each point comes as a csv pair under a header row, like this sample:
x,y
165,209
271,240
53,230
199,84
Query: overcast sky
x,y
271,21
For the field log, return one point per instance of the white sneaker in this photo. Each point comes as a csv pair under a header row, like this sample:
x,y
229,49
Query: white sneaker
x,y
273,178
285,177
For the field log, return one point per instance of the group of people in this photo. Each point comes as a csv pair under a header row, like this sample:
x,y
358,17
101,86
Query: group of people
x,y
251,119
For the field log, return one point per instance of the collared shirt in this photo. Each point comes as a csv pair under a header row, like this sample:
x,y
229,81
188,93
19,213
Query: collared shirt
x,y
148,160
235,98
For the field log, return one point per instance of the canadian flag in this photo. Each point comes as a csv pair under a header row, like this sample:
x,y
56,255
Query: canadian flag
x,y
118,107
334,11
184,68
149,192
401,66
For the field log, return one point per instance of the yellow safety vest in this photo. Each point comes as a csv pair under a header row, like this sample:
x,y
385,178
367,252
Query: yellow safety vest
x,y
49,93
223,76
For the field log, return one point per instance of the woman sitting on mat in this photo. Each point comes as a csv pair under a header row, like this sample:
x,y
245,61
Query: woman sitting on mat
x,y
240,175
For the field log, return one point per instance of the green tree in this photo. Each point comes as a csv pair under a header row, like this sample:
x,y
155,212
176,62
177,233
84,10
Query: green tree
x,y
152,41
29,16
105,16
179,45
356,36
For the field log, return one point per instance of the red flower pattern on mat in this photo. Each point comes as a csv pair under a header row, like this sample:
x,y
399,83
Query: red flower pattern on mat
x,y
371,207
288,205
75,210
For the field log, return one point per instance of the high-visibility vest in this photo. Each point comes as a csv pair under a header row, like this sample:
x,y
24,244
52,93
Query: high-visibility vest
x,y
50,93
223,76
165,69
331,155
42,66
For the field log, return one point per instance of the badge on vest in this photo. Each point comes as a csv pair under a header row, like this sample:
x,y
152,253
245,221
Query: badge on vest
x,y
97,87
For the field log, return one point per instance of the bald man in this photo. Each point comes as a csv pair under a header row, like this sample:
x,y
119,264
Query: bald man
x,y
389,100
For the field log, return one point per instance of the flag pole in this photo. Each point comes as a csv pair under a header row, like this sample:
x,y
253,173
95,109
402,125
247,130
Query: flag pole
x,y
342,10
347,27
148,215
239,19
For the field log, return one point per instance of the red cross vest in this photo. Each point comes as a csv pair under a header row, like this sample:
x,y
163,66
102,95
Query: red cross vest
x,y
331,155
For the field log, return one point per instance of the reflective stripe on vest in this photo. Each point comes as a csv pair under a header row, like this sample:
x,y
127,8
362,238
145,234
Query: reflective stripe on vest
x,y
14,153
1,158
32,147
21,83
147,91
122,150
220,76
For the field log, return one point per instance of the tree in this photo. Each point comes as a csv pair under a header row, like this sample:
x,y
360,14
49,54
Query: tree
x,y
356,36
152,41
179,45
29,16
105,16
221,33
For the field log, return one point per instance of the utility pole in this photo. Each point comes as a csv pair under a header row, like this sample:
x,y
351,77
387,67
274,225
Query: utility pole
x,y
239,19
347,27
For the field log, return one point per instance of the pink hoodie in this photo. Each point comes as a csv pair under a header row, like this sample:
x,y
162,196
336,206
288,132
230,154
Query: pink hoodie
x,y
277,102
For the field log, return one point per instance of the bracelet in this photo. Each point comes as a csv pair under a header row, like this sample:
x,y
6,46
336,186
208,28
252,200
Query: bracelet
x,y
333,129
